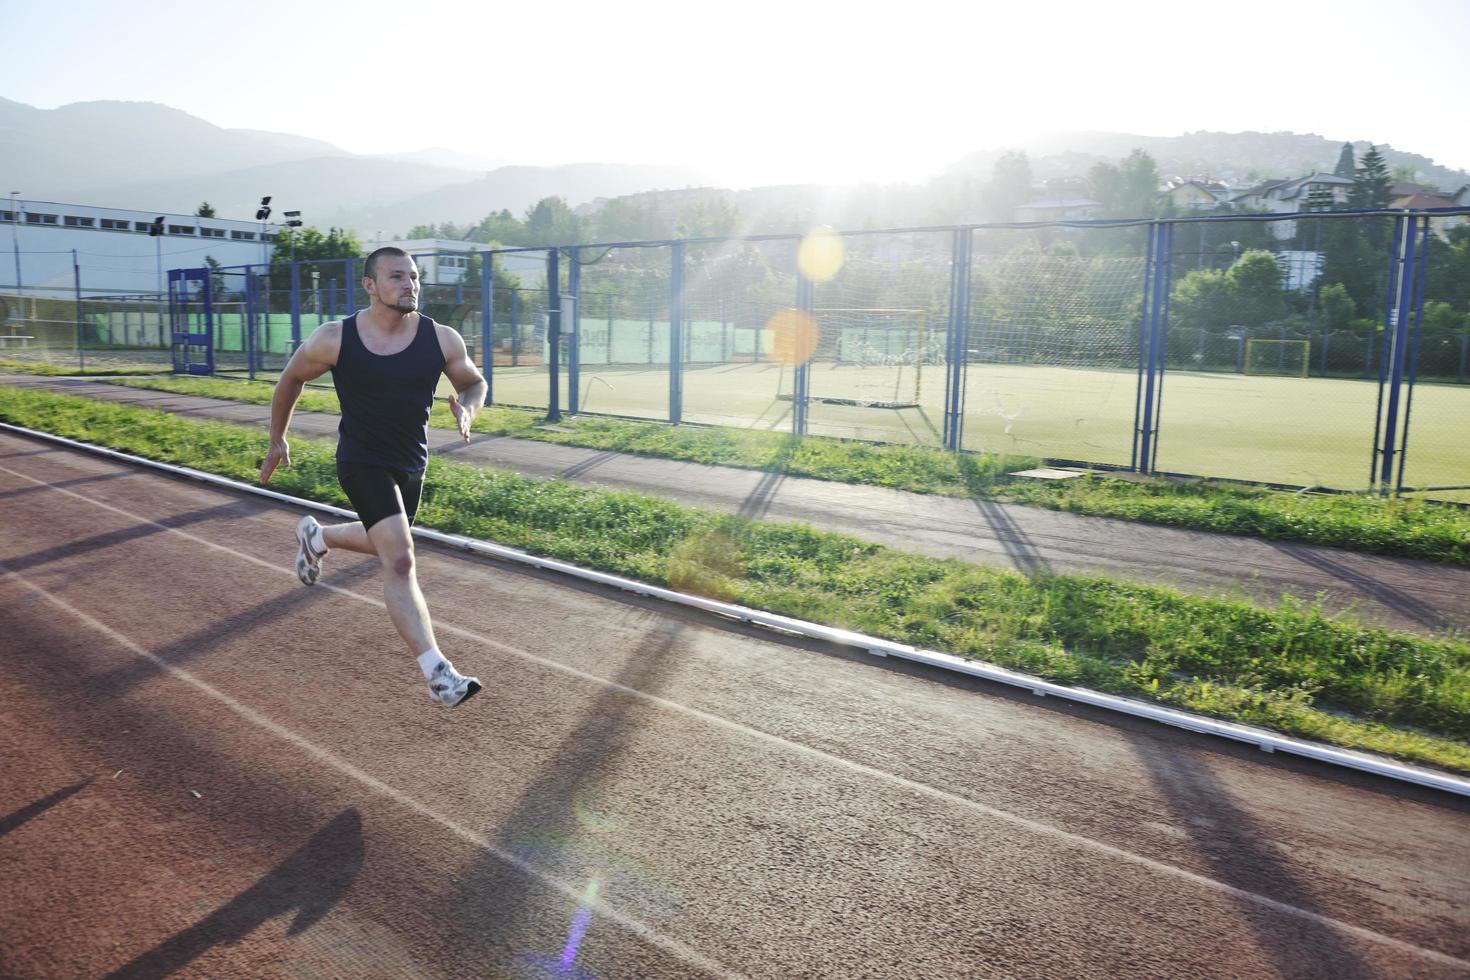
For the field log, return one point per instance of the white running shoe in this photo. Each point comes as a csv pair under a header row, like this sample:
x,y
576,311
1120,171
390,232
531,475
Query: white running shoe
x,y
449,687
311,546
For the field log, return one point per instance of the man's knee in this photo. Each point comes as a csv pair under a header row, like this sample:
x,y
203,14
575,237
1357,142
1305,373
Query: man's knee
x,y
397,558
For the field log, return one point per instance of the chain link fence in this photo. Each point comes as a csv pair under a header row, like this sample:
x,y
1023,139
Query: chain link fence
x,y
1321,349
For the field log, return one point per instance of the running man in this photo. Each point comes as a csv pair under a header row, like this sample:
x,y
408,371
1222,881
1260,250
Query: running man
x,y
385,363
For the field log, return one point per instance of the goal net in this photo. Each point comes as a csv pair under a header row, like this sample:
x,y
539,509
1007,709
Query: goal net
x,y
1279,357
866,357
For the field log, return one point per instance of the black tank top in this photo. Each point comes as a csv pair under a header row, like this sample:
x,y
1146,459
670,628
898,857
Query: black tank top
x,y
386,399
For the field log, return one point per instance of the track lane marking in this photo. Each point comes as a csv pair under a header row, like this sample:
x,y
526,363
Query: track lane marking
x,y
923,789
576,894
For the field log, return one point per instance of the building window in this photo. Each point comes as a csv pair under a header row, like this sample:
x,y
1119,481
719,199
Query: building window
x,y
181,229
40,219
243,236
212,232
73,221
7,215
114,224
142,226
267,237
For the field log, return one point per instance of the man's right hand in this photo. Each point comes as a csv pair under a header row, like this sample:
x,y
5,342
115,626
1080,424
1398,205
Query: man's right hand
x,y
279,455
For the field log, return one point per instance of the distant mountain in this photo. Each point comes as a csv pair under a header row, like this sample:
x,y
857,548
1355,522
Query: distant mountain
x,y
151,157
1237,157
325,189
71,152
518,188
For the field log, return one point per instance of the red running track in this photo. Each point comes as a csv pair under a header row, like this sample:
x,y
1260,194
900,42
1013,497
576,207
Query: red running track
x,y
639,792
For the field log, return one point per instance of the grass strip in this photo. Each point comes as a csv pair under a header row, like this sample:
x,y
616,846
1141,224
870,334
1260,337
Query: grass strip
x,y
1290,668
1405,528
45,369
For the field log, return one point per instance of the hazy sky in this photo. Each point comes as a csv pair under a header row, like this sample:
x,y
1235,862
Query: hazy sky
x,y
759,91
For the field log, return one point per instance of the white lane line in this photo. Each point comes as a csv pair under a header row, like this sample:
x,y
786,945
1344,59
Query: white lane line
x,y
578,895
923,789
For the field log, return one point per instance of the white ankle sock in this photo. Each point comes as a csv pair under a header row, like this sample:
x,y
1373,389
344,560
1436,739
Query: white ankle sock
x,y
430,659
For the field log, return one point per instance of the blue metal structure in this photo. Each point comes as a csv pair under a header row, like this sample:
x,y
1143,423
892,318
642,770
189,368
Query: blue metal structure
x,y
191,321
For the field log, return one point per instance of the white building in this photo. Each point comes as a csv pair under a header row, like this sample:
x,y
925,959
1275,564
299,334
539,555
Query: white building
x,y
114,251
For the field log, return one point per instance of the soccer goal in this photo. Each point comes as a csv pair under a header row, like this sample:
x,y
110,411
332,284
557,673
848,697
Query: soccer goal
x,y
868,358
1283,357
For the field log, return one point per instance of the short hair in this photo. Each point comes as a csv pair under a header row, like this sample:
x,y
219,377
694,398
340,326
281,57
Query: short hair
x,y
371,268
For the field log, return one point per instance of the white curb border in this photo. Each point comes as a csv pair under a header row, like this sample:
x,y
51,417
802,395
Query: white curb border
x,y
1264,740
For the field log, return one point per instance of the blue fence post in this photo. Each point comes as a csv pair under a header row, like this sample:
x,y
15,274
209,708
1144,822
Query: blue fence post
x,y
247,325
1400,317
1464,356
1384,348
553,334
957,348
1385,334
1149,344
802,375
487,324
76,281
1420,275
1161,332
349,291
1138,461
574,331
676,335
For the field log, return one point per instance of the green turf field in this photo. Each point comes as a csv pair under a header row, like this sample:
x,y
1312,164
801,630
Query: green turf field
x,y
1307,431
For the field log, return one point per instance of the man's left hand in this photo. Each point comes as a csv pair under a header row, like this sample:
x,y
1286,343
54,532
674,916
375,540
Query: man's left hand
x,y
463,416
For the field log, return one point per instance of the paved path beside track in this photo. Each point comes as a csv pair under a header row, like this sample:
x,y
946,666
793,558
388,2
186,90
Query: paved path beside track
x,y
1398,593
207,769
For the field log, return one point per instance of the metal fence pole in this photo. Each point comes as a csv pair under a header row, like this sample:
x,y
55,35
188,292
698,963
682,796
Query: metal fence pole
x,y
801,381
247,326
1139,460
676,338
957,348
1161,332
76,278
1419,277
1385,333
574,334
553,334
487,324
1398,353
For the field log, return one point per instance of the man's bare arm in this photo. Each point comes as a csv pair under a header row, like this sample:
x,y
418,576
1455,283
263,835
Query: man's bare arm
x,y
469,385
312,359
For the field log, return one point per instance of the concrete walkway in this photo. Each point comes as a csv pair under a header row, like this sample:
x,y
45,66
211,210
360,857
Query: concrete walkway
x,y
1418,596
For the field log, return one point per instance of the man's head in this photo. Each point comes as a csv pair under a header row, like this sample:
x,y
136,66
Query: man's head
x,y
391,278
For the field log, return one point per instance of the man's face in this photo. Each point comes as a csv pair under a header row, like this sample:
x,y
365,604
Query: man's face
x,y
395,283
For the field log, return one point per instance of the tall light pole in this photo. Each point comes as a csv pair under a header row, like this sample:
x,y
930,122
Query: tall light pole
x,y
261,214
15,237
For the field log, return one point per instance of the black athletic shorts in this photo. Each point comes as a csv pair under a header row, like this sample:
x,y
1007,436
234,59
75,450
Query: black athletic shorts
x,y
377,492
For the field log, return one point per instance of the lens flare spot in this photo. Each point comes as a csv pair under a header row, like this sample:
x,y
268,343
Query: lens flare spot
x,y
594,813
793,337
821,254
